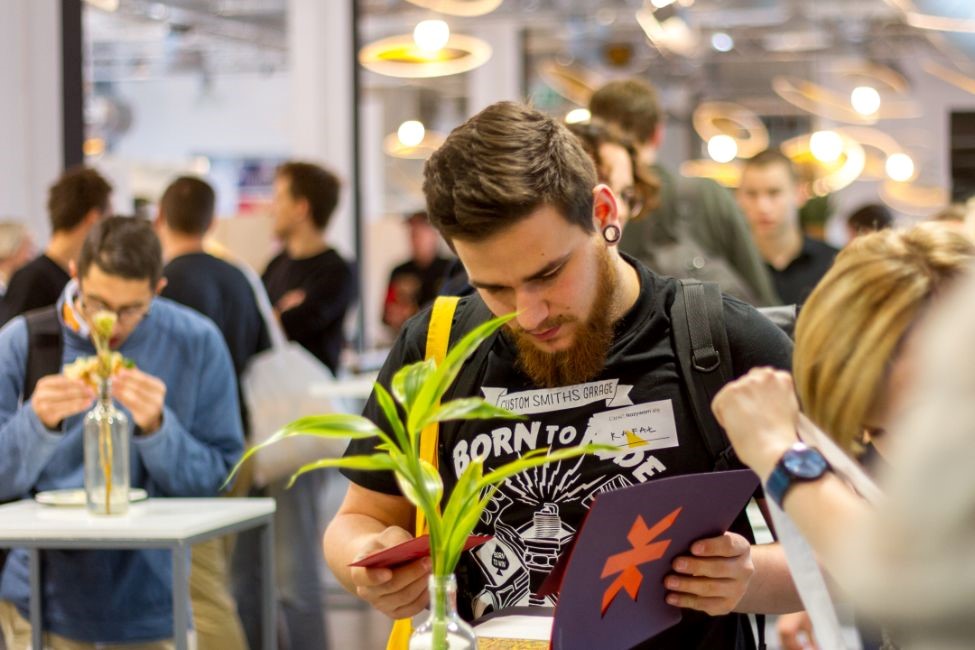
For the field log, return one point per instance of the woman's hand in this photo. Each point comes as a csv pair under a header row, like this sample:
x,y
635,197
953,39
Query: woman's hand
x,y
760,412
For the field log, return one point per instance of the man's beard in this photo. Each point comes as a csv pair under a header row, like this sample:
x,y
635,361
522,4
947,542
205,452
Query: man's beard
x,y
586,357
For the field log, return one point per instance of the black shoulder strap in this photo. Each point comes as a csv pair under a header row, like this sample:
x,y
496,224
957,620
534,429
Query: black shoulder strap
x,y
44,346
704,358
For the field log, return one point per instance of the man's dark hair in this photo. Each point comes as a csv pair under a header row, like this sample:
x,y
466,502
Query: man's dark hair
x,y
502,165
870,217
187,205
769,157
630,104
74,194
124,247
314,184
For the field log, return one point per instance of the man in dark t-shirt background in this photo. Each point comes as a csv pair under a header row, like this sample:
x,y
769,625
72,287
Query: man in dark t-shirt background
x,y
770,196
310,285
415,283
78,200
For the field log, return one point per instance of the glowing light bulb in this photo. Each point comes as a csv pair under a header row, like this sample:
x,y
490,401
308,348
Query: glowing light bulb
x,y
722,42
431,35
826,146
722,148
410,133
577,115
865,100
899,167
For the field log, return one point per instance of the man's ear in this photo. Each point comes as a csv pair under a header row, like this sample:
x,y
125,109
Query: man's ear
x,y
73,269
605,210
161,285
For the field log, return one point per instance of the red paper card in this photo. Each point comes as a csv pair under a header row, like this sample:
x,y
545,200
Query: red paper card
x,y
410,551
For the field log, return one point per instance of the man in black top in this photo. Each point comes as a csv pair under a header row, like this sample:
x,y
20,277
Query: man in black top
x,y
415,283
517,197
770,196
78,200
310,285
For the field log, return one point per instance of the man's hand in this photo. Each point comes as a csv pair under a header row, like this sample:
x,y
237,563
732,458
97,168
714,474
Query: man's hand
x,y
290,300
144,396
56,397
398,592
760,412
714,578
796,632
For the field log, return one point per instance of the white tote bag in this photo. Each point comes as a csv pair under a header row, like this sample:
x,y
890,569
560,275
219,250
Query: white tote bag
x,y
277,388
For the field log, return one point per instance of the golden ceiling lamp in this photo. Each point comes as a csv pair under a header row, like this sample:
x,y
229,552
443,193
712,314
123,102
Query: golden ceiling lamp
x,y
572,82
888,86
831,174
913,199
917,18
467,8
725,118
953,77
727,174
431,51
878,147
412,141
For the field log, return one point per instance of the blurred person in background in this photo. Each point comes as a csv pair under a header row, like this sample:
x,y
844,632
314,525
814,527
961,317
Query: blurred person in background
x,y
16,250
770,195
868,218
78,200
415,283
695,230
854,357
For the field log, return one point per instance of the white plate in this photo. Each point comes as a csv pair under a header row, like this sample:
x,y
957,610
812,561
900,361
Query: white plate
x,y
75,497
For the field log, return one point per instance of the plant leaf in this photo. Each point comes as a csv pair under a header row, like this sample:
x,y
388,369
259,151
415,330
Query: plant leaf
x,y
469,408
514,467
436,385
408,381
375,462
388,406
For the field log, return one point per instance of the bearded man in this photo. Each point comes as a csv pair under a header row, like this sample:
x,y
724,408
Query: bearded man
x,y
516,196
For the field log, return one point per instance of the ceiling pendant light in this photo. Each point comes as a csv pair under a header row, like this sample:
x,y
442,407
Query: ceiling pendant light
x,y
430,51
466,8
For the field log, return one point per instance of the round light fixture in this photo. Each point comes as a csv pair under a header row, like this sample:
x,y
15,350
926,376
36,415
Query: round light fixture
x,y
826,146
575,83
722,42
865,100
459,7
722,148
834,105
578,116
400,56
431,35
825,177
743,125
900,167
410,133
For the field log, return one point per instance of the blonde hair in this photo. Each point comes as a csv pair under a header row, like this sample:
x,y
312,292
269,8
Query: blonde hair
x,y
12,235
850,329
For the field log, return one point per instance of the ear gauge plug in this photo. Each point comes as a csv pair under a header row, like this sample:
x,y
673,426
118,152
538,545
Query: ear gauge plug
x,y
612,233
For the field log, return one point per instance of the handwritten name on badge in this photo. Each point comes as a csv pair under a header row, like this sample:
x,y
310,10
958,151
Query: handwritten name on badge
x,y
643,427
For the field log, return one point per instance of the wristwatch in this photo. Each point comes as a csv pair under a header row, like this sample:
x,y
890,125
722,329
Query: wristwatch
x,y
799,464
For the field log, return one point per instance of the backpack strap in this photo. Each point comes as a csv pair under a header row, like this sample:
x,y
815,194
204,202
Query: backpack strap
x,y
704,359
44,347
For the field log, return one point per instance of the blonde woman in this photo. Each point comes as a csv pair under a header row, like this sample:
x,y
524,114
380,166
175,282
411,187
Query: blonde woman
x,y
853,358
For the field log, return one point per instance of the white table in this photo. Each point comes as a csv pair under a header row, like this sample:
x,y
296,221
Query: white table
x,y
356,387
175,524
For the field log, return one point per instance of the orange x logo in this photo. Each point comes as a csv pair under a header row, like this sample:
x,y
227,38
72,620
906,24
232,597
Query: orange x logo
x,y
643,551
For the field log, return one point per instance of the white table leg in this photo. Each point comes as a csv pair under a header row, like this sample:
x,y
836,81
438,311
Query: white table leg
x,y
36,593
181,594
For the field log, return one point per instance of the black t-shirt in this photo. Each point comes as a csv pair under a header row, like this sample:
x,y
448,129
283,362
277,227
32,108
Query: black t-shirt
x,y
330,288
221,292
38,283
796,281
641,368
420,284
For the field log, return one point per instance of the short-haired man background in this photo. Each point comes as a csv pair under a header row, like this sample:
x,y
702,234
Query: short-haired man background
x,y
78,200
517,196
770,196
181,400
695,209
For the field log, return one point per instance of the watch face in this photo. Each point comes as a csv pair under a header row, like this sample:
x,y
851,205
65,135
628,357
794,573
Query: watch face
x,y
804,463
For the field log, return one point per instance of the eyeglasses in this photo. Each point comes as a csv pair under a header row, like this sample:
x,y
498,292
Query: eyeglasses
x,y
633,200
127,316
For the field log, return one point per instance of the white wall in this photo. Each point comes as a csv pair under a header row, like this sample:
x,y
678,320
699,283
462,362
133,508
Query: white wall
x,y
31,150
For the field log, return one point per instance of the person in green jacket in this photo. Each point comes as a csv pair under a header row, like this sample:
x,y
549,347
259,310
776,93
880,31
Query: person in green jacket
x,y
696,229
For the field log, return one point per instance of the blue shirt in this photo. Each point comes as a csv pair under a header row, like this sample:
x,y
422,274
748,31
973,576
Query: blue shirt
x,y
120,596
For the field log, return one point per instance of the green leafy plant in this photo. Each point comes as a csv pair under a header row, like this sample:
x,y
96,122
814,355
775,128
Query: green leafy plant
x,y
410,404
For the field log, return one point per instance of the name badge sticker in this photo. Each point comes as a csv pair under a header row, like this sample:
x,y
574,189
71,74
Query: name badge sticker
x,y
645,427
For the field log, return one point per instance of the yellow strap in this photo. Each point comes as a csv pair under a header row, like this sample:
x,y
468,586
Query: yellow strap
x,y
438,338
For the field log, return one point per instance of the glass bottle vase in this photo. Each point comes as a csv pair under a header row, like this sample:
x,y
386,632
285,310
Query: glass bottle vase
x,y
106,444
444,629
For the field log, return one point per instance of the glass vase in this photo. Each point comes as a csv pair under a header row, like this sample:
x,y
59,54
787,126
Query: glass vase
x,y
444,629
106,445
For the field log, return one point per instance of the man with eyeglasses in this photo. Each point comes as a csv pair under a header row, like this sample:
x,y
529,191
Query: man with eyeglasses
x,y
182,401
